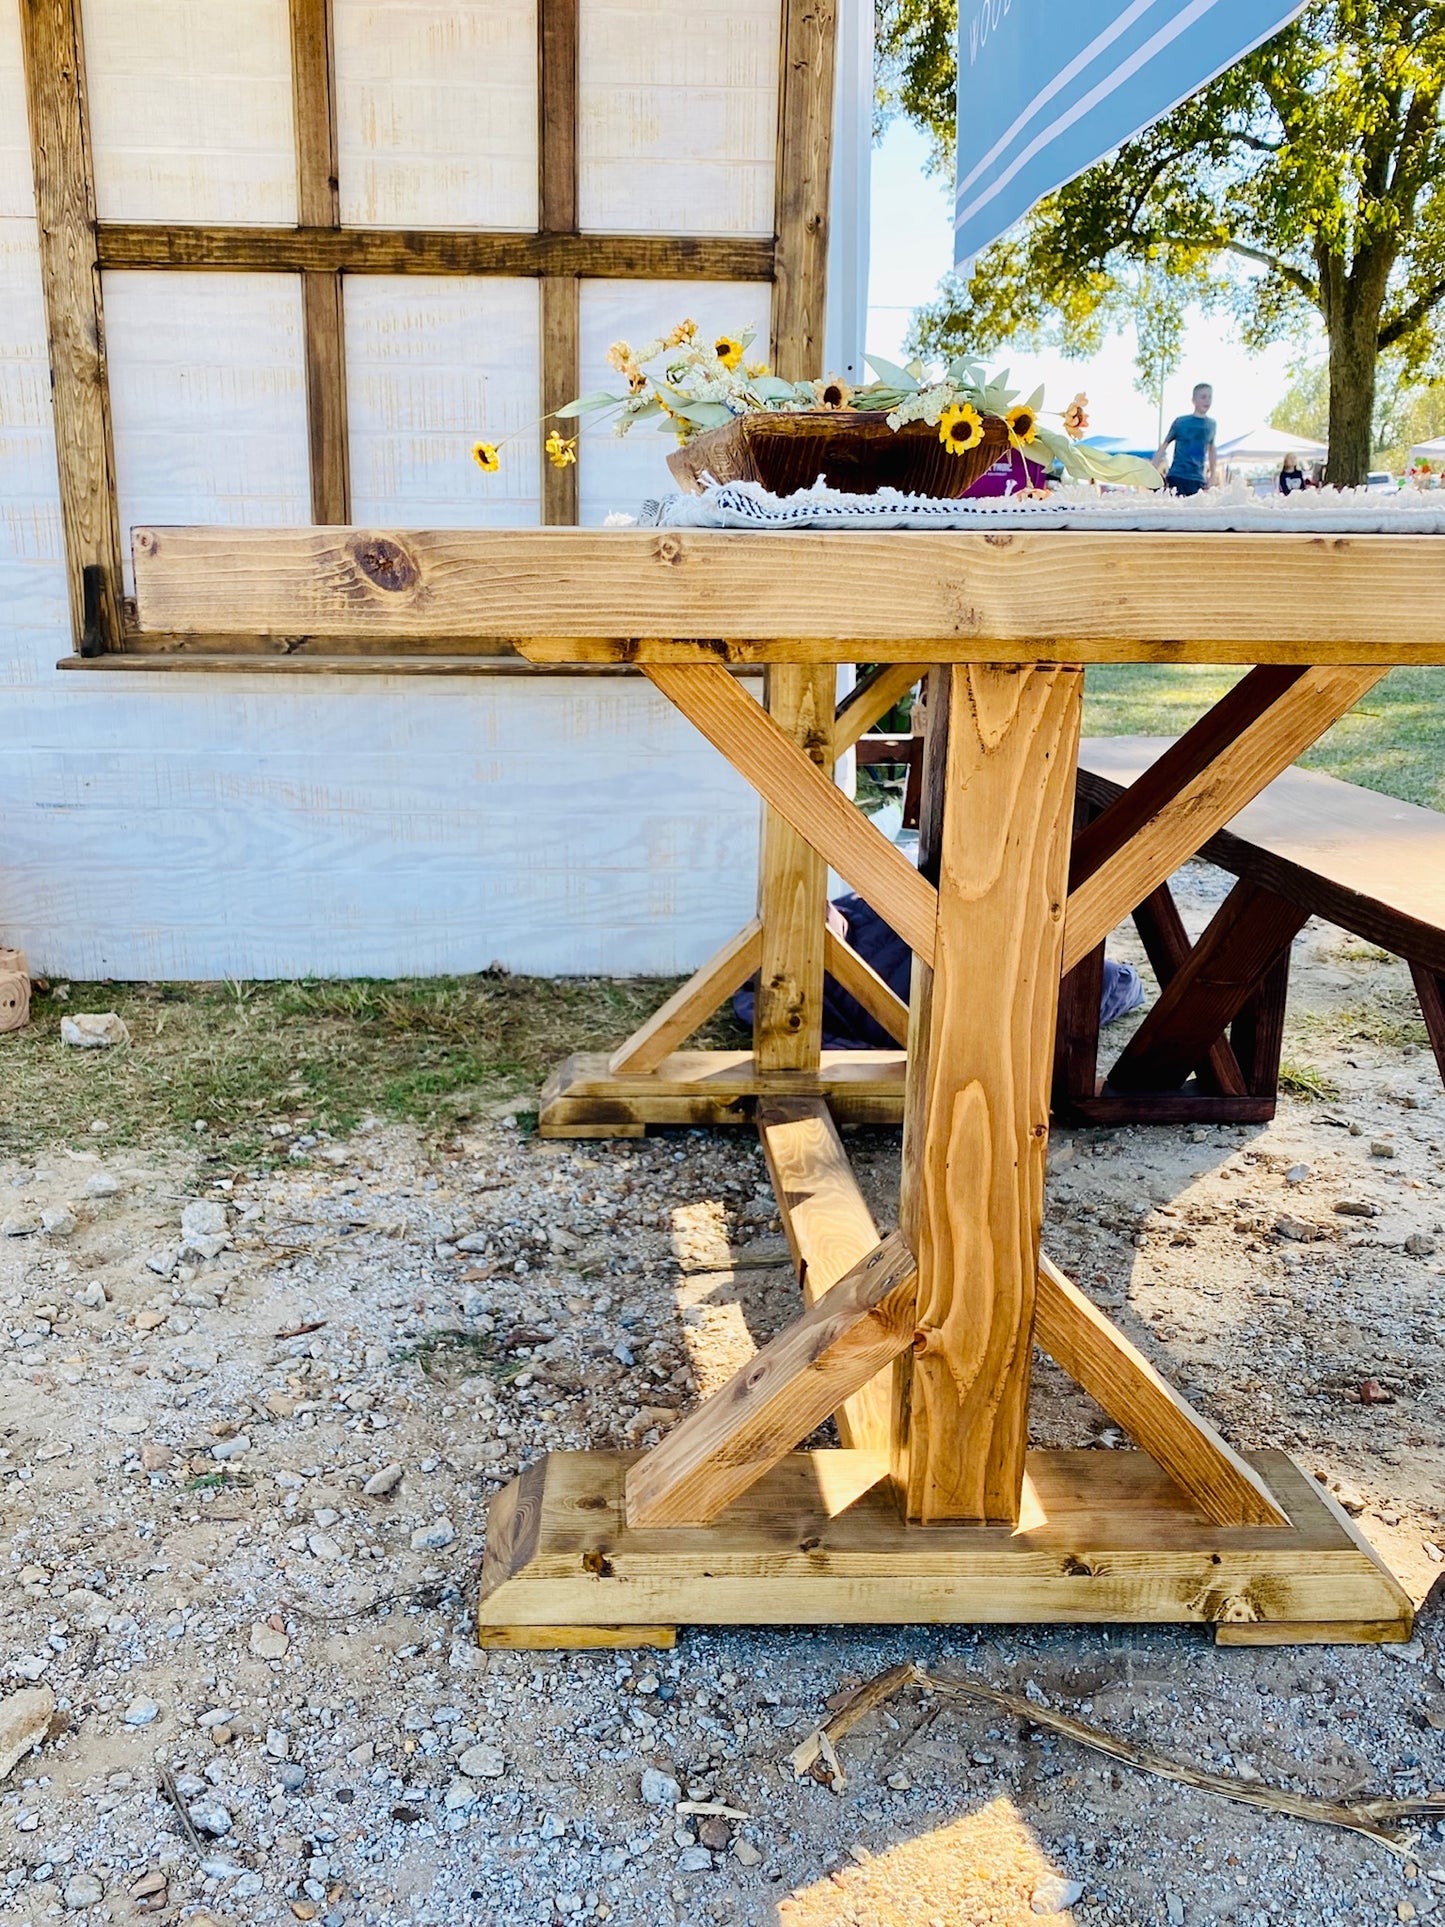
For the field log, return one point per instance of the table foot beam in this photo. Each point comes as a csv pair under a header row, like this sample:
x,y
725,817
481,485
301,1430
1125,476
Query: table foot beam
x,y
1104,1537
583,1098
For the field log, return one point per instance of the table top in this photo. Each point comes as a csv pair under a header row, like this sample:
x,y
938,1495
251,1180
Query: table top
x,y
665,595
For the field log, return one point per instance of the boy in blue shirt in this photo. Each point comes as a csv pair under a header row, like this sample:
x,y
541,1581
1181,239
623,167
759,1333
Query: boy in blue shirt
x,y
1193,466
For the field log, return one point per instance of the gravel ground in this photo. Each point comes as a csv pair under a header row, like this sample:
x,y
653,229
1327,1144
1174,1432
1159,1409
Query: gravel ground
x,y
245,1459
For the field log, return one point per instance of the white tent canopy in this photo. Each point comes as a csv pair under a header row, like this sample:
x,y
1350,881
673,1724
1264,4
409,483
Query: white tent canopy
x,y
1429,451
1270,445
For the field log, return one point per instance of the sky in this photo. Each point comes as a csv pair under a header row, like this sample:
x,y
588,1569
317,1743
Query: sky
x,y
912,249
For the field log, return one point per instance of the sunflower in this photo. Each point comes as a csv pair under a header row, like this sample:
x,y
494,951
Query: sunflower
x,y
833,393
560,453
485,455
1075,420
960,428
1023,425
728,351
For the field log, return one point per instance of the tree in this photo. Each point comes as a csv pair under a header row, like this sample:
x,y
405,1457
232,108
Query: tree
x,y
1406,411
1307,183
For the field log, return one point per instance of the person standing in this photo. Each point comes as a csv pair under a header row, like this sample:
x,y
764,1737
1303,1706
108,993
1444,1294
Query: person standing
x,y
1193,465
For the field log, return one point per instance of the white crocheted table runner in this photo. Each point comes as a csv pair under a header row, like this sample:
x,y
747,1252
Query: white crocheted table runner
x,y
1236,509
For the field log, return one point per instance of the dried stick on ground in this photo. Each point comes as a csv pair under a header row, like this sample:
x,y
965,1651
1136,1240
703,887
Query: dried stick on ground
x,y
818,1757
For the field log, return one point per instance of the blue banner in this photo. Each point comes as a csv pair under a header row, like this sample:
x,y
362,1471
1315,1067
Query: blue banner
x,y
1048,87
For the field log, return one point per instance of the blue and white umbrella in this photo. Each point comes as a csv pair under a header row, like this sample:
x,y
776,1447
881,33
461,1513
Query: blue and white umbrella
x,y
1047,87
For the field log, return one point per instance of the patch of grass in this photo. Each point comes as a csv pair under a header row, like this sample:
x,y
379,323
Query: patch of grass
x,y
242,1056
1394,741
1303,1080
447,1355
1390,1019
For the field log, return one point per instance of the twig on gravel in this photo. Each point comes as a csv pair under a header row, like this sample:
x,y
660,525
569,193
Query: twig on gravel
x,y
166,1780
302,1331
430,1595
817,1758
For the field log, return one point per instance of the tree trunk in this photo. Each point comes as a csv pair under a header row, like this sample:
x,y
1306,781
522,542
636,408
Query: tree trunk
x,y
1354,330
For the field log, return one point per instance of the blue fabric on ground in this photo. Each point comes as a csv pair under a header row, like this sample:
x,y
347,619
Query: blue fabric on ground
x,y
847,1026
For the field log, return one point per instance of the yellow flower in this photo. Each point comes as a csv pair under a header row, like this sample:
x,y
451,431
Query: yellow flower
x,y
684,331
560,453
1023,425
728,351
960,428
833,393
755,370
619,356
485,455
1075,420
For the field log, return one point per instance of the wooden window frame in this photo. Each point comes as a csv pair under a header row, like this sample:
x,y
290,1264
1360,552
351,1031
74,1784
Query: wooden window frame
x,y
76,246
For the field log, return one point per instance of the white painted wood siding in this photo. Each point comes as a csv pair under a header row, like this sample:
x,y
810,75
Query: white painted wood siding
x,y
203,825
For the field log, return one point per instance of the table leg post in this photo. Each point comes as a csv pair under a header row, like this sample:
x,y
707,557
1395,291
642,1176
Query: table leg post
x,y
793,886
995,832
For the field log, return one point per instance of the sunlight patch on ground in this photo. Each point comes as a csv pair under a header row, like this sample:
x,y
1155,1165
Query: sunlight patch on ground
x,y
978,1871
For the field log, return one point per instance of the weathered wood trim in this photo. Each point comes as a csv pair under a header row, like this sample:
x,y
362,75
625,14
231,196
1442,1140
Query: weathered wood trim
x,y
54,57
354,250
561,381
318,204
561,324
804,166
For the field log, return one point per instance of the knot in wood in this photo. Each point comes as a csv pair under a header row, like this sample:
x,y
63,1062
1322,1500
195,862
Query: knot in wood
x,y
668,549
384,562
927,1338
145,541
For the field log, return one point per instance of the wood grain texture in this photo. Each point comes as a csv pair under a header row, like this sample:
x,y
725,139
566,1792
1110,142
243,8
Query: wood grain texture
x,y
1117,1376
711,1457
977,1133
829,1230
690,1004
581,1098
785,777
561,382
574,1639
793,883
318,204
55,86
357,250
1107,1536
804,172
1372,864
1186,821
884,686
557,115
645,595
1240,946
1166,944
862,982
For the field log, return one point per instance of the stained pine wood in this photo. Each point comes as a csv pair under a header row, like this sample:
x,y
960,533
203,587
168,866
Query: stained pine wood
x,y
1430,989
865,986
582,1098
829,1229
639,595
572,1639
977,1142
1166,944
561,380
1106,1536
1372,864
786,778
691,1004
313,86
1245,938
1185,821
871,698
1116,1375
793,884
805,139
70,277
798,1379
361,250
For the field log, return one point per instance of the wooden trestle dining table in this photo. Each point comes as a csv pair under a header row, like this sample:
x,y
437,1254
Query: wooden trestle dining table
x,y
917,1342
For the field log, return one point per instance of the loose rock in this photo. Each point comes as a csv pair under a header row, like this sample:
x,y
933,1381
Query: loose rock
x,y
24,1720
94,1031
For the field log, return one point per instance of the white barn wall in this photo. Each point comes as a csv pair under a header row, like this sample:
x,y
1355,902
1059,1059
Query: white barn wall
x,y
213,825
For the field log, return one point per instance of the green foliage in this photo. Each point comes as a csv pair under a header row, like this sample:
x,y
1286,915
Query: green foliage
x,y
1305,183
1406,412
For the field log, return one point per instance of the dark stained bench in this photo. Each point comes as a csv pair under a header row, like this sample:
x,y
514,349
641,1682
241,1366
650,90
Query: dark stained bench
x,y
1309,845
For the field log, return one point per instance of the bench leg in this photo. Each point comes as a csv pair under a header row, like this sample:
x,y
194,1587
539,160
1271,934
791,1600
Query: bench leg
x,y
1076,1040
1430,989
1218,977
1257,1033
1166,944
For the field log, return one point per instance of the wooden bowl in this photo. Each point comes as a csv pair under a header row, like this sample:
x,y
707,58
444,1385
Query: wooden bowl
x,y
854,451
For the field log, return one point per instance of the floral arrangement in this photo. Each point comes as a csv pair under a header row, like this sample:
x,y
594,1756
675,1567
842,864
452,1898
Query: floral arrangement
x,y
688,384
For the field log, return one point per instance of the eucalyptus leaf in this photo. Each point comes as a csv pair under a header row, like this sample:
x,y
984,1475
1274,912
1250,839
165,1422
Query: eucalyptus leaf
x,y
588,404
895,377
